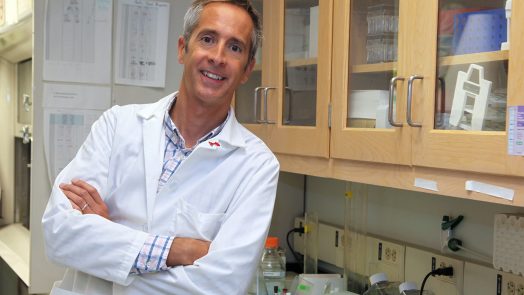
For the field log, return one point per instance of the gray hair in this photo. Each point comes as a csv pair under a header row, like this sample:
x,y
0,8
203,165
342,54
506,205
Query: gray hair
x,y
193,14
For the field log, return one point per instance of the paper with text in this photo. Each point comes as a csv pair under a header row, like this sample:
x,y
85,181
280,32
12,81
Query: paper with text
x,y
78,41
141,43
69,112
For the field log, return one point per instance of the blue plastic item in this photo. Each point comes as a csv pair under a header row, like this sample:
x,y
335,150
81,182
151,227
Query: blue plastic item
x,y
479,31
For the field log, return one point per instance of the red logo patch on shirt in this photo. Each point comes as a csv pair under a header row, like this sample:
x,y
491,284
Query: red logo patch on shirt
x,y
214,143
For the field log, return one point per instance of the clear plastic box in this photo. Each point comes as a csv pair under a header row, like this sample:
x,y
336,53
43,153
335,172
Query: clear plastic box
x,y
381,48
382,18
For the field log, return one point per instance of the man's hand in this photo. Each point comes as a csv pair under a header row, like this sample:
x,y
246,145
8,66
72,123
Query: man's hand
x,y
184,251
85,198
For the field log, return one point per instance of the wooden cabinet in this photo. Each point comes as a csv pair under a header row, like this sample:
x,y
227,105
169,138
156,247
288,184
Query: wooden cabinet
x,y
435,115
390,72
286,100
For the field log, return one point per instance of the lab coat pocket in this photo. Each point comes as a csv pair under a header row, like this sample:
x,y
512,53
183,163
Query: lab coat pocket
x,y
191,223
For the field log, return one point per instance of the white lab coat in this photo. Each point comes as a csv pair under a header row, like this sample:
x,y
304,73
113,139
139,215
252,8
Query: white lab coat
x,y
224,194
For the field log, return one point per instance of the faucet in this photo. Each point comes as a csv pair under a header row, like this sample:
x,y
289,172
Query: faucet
x,y
26,135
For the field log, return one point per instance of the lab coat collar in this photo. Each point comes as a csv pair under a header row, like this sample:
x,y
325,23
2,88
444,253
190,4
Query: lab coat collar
x,y
156,109
228,139
231,133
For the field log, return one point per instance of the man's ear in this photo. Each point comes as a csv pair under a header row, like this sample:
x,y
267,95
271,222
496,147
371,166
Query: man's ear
x,y
248,70
181,49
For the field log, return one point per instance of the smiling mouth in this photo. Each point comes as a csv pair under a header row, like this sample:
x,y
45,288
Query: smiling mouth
x,y
212,76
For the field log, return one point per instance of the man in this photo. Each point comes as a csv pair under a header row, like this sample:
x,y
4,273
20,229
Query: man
x,y
174,197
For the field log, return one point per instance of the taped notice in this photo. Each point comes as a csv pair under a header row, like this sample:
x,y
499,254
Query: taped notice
x,y
426,184
489,189
516,130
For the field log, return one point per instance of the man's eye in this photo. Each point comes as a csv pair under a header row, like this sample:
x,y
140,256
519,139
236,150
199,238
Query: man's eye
x,y
236,48
206,39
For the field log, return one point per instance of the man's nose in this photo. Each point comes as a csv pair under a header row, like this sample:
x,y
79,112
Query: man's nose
x,y
218,54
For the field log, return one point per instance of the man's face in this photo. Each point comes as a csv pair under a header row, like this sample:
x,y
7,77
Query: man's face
x,y
216,57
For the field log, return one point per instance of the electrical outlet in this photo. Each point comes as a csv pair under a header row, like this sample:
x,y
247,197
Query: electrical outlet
x,y
420,262
510,284
331,247
387,257
438,261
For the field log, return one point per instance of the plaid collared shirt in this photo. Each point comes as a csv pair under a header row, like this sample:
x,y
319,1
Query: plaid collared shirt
x,y
153,255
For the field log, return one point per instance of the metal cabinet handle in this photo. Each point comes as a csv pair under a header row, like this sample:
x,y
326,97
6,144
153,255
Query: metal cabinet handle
x,y
256,105
266,89
410,97
287,119
392,85
442,84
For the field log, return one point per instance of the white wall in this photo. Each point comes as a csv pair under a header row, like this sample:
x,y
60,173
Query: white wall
x,y
411,217
7,137
288,205
42,272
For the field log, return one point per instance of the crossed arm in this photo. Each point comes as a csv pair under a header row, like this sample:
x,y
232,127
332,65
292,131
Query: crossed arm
x,y
86,199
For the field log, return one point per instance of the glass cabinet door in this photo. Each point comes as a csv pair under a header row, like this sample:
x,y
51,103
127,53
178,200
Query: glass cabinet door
x,y
247,112
472,67
373,63
299,75
285,102
300,63
465,128
368,83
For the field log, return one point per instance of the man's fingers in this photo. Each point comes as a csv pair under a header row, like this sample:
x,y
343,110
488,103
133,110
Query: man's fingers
x,y
89,188
80,192
85,196
75,200
74,205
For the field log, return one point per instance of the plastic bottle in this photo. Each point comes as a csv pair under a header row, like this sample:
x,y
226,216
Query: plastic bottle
x,y
273,267
410,288
381,286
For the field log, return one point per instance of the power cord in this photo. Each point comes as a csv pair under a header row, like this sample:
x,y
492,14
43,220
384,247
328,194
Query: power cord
x,y
443,271
299,230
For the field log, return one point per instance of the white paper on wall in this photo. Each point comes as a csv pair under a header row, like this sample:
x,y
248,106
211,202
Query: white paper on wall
x,y
69,112
141,43
78,41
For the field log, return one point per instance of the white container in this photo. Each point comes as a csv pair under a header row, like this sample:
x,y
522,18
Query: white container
x,y
381,286
320,284
363,104
410,288
505,45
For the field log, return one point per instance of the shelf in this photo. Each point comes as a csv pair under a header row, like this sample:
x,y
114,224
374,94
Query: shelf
x,y
374,68
474,58
16,42
301,62
14,249
443,61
